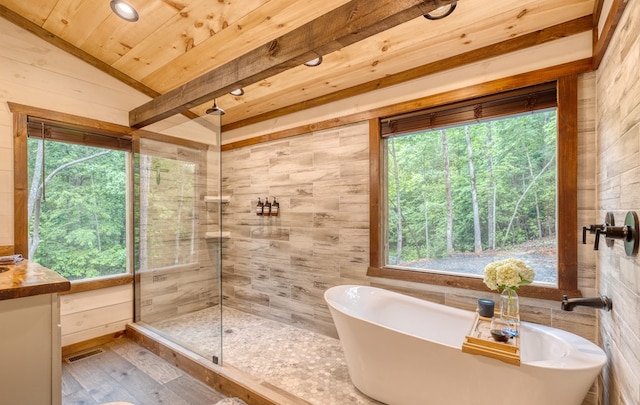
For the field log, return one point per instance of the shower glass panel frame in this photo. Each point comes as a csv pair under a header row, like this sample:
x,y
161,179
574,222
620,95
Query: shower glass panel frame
x,y
177,233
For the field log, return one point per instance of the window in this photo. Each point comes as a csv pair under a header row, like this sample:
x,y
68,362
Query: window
x,y
459,198
79,158
85,220
77,204
474,181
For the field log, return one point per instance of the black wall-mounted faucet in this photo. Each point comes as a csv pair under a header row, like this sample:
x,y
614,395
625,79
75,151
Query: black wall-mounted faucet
x,y
609,221
628,233
602,302
592,229
612,233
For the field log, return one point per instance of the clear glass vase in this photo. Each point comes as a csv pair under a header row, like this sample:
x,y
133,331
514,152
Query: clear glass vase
x,y
510,309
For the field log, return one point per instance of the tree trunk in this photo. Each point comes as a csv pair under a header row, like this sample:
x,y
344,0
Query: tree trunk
x,y
35,238
491,209
194,228
535,193
144,170
447,182
414,237
37,178
97,222
178,230
398,206
515,209
477,234
426,222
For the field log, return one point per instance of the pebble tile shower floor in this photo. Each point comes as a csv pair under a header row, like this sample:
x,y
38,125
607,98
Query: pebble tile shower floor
x,y
306,364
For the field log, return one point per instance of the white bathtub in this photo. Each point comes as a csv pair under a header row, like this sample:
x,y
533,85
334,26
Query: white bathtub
x,y
405,351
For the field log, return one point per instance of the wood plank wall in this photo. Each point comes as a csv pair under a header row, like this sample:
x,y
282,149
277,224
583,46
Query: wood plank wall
x,y
38,74
90,314
280,267
618,163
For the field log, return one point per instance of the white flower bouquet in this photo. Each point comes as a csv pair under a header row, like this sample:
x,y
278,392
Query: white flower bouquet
x,y
508,274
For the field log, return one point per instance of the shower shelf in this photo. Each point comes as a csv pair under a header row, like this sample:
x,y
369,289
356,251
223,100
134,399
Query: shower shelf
x,y
217,235
217,198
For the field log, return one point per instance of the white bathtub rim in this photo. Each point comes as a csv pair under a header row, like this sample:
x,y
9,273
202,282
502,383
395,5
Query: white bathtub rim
x,y
581,354
343,309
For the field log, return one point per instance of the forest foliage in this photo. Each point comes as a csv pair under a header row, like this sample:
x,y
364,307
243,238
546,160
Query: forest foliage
x,y
165,212
79,228
482,187
78,220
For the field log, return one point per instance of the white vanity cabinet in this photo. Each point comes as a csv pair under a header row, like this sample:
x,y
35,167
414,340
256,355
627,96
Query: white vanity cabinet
x,y
30,340
30,353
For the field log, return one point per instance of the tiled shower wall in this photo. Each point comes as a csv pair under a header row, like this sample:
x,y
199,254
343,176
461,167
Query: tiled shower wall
x,y
279,267
618,117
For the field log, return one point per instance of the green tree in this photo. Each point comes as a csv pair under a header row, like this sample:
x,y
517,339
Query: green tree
x,y
439,201
77,216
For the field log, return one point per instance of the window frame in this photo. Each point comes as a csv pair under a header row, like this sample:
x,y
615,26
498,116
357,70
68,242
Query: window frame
x,y
21,114
567,221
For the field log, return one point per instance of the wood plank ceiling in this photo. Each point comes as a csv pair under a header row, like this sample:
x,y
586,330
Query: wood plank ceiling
x,y
175,42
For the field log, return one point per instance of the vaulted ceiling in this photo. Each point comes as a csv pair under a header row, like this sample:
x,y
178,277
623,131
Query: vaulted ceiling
x,y
179,47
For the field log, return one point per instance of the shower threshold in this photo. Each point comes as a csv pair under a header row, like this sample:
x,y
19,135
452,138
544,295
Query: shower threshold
x,y
225,379
276,362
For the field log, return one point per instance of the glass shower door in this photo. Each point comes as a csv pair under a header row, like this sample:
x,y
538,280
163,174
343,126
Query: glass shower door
x,y
177,239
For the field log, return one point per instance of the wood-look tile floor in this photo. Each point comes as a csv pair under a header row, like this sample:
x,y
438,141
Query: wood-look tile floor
x,y
127,372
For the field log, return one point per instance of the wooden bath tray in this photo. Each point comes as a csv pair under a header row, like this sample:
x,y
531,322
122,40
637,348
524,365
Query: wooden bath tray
x,y
479,341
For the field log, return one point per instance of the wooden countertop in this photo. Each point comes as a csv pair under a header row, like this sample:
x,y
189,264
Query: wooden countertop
x,y
25,279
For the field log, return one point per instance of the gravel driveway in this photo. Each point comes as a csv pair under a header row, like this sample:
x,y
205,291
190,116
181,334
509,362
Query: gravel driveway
x,y
544,264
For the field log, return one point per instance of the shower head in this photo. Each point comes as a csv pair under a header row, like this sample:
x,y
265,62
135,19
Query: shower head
x,y
215,110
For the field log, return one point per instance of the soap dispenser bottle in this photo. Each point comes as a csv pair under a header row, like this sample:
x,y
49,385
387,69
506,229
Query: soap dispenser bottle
x,y
267,207
275,208
259,207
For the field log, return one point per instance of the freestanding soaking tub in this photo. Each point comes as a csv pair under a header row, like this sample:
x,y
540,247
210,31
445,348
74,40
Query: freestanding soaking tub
x,y
405,351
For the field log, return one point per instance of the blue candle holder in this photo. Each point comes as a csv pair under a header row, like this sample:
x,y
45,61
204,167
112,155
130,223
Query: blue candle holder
x,y
486,307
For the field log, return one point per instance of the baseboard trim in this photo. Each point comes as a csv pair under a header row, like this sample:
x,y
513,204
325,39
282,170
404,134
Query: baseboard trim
x,y
91,343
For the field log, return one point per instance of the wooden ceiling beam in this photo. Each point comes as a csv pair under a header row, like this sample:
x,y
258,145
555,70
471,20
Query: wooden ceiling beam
x,y
602,39
347,24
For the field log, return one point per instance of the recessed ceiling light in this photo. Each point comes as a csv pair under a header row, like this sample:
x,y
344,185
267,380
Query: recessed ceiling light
x,y
124,10
237,92
314,62
441,12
